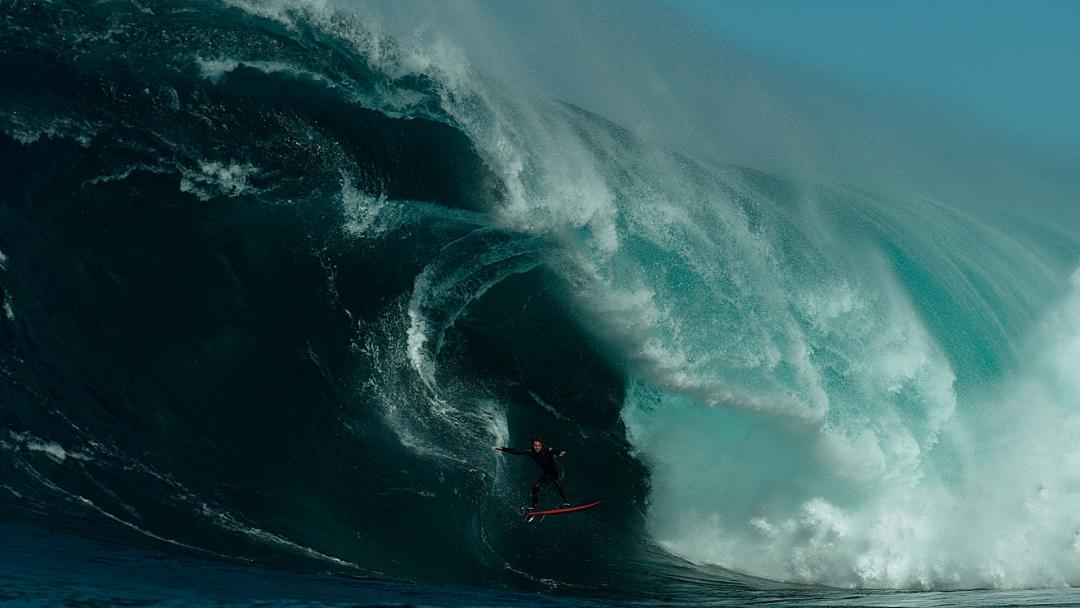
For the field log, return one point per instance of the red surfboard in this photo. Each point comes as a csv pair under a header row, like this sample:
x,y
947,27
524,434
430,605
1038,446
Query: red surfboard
x,y
591,505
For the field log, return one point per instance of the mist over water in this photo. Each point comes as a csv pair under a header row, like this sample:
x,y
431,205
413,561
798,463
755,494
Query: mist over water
x,y
669,78
790,336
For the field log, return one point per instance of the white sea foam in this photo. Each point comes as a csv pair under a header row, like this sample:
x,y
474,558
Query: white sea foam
x,y
215,70
216,178
417,340
124,174
366,215
28,130
53,450
982,497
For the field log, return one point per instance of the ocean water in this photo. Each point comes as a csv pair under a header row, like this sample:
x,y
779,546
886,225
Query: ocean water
x,y
275,277
95,573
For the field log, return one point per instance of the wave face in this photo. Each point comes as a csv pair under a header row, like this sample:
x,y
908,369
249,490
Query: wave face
x,y
273,281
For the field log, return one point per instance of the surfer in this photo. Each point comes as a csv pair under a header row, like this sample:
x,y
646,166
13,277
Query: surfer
x,y
547,458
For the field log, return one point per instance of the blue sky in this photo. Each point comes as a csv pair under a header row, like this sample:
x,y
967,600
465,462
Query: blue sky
x,y
1011,66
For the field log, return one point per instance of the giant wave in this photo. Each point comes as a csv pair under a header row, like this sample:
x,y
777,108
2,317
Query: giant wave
x,y
274,279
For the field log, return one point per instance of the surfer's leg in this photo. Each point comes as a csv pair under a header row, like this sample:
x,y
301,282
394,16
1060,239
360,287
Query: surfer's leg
x,y
558,486
536,488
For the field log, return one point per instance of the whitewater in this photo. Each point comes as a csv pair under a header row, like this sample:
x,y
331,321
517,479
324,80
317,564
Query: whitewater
x,y
275,275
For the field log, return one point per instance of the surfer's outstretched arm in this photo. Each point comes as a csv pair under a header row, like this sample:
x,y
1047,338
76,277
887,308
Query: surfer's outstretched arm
x,y
510,450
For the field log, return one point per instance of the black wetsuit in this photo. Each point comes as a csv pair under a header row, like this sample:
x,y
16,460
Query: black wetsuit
x,y
547,458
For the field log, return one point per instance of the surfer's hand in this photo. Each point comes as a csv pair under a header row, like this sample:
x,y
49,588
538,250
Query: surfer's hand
x,y
496,448
562,453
